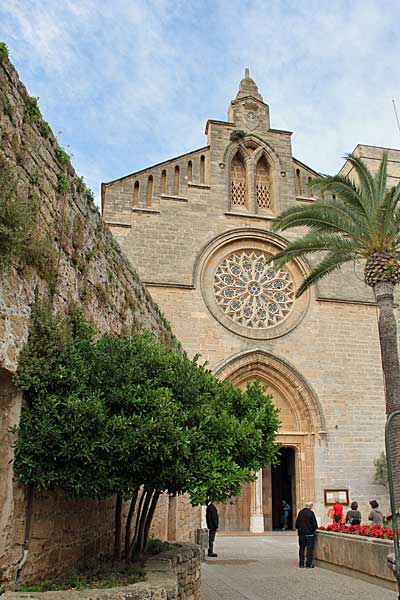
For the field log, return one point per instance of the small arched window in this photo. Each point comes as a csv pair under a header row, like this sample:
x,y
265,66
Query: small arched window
x,y
298,182
263,184
202,169
176,180
238,182
136,194
190,171
163,181
149,196
310,191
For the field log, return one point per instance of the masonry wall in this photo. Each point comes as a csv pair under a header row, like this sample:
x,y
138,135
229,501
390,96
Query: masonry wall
x,y
335,345
93,274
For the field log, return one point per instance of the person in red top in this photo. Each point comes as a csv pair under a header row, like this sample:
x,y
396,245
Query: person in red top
x,y
337,512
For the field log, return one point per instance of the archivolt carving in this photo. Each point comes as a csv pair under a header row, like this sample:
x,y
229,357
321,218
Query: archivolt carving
x,y
262,365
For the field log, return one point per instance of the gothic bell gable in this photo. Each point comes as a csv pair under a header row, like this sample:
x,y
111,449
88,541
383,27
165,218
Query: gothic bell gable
x,y
248,111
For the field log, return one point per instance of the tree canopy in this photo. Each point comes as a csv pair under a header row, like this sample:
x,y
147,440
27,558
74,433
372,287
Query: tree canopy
x,y
112,415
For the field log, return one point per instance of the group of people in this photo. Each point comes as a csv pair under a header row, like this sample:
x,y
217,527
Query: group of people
x,y
306,525
353,516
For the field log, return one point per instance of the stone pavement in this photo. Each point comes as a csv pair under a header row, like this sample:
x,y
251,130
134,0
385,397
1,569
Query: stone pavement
x,y
265,567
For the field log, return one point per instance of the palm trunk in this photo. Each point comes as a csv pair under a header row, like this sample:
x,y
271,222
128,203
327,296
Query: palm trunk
x,y
391,371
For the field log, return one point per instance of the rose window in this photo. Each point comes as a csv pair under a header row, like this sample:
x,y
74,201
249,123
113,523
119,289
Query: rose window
x,y
251,292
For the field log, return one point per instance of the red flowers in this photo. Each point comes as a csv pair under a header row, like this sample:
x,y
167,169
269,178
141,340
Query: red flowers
x,y
377,531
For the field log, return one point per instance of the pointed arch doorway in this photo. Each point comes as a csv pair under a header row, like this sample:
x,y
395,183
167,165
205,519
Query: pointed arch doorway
x,y
257,509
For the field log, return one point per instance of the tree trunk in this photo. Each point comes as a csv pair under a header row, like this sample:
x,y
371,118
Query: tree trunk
x,y
139,533
117,531
391,371
149,519
128,524
135,535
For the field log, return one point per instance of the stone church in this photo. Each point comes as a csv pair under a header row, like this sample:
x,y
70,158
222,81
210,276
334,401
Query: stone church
x,y
198,229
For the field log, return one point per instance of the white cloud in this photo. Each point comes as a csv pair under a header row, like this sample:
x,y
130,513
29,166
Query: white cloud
x,y
132,82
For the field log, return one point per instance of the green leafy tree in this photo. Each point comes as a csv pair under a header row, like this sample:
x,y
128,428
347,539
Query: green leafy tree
x,y
207,440
361,222
127,416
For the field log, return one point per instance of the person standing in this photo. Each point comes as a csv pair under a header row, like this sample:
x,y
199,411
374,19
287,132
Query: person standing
x,y
212,525
376,515
306,525
285,509
353,516
337,512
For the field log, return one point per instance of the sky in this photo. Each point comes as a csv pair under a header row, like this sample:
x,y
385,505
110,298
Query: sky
x,y
130,83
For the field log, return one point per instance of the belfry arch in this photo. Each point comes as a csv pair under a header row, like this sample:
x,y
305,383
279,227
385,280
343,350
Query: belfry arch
x,y
302,422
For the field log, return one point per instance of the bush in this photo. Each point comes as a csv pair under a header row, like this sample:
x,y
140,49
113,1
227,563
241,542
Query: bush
x,y
90,575
381,472
156,546
3,52
62,183
236,135
17,217
44,128
32,108
62,156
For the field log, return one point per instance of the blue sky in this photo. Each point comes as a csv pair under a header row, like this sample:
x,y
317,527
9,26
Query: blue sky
x,y
130,83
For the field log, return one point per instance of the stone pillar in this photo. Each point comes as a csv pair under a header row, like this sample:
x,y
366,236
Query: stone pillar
x,y
256,506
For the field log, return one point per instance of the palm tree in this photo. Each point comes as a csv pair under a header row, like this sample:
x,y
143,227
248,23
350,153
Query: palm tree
x,y
361,221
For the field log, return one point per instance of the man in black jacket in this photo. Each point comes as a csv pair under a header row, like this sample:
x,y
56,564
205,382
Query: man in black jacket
x,y
212,525
306,524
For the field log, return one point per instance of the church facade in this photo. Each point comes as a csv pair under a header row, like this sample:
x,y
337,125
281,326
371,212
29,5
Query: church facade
x,y
198,230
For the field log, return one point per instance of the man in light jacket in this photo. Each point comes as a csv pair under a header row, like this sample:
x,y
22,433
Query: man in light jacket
x,y
306,525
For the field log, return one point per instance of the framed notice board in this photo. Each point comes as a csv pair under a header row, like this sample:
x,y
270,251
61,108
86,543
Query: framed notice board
x,y
331,495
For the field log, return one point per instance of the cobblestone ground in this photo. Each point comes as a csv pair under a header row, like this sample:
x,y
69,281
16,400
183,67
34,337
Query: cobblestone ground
x,y
260,568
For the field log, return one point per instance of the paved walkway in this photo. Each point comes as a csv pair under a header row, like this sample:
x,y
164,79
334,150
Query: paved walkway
x,y
261,568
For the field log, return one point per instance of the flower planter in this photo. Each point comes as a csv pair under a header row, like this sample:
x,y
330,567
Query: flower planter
x,y
357,556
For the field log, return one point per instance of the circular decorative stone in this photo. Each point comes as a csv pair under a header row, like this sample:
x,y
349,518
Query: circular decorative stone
x,y
251,292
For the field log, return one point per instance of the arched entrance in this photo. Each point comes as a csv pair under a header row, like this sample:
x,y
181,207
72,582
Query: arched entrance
x,y
258,507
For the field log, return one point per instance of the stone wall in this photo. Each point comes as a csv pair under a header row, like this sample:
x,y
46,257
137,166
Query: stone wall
x,y
172,575
355,555
86,268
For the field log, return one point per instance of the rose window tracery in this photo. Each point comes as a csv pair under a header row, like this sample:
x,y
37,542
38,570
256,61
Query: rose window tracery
x,y
251,292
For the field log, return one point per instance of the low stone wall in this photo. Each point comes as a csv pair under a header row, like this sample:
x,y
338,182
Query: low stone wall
x,y
172,575
355,555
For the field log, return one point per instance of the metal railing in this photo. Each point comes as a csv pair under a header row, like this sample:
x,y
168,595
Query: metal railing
x,y
393,498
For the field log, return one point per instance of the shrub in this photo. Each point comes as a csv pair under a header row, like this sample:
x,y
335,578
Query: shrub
x,y
17,217
32,108
237,134
62,156
3,52
381,473
156,546
90,575
44,128
80,184
62,183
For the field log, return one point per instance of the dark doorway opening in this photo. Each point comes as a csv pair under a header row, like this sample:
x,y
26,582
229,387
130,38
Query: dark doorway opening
x,y
283,487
